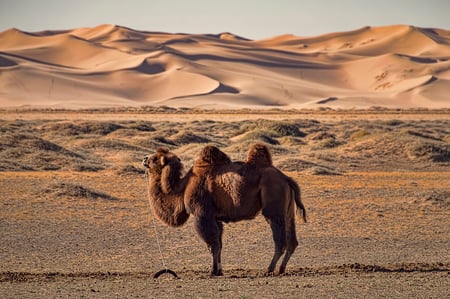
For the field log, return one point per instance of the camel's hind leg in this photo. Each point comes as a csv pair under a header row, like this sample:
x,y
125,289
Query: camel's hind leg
x,y
279,237
291,235
292,243
275,201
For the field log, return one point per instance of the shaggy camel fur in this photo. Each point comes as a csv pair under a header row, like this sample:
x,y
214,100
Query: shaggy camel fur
x,y
217,190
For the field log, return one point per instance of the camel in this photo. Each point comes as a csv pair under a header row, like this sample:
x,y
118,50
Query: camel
x,y
216,190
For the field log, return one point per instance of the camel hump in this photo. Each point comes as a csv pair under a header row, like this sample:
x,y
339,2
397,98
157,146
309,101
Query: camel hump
x,y
259,155
162,150
211,156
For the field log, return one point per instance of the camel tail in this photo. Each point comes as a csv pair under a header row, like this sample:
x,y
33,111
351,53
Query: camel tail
x,y
297,197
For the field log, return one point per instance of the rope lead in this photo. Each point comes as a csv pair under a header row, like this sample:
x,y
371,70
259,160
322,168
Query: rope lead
x,y
165,270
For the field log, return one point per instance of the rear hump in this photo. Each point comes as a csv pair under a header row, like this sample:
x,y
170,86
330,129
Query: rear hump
x,y
259,156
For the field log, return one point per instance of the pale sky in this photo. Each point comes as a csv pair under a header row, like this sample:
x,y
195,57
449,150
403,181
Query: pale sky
x,y
254,19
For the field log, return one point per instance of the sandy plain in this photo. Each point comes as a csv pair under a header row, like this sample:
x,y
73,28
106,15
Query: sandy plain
x,y
75,220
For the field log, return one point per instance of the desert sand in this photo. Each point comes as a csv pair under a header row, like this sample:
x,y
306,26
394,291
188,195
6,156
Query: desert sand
x,y
108,66
75,219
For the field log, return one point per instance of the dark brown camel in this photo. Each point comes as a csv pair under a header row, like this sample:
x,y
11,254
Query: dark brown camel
x,y
217,190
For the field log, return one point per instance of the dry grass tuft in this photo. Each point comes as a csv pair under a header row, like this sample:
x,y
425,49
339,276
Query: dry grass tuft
x,y
439,198
129,170
109,144
327,144
83,128
19,151
283,129
436,197
359,134
74,190
323,171
186,137
259,135
429,151
142,126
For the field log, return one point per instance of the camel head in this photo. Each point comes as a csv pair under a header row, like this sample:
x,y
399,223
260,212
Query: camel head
x,y
162,158
164,166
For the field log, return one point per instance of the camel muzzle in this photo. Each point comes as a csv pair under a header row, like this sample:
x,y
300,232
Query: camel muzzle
x,y
145,162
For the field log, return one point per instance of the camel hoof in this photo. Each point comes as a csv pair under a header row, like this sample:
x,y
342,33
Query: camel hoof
x,y
269,274
159,273
217,273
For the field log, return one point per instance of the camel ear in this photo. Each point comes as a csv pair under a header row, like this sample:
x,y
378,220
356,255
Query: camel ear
x,y
163,160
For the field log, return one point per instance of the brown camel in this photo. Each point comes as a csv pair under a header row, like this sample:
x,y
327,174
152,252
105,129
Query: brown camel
x,y
217,190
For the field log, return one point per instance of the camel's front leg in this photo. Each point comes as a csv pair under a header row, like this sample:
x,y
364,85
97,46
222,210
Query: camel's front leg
x,y
211,232
219,257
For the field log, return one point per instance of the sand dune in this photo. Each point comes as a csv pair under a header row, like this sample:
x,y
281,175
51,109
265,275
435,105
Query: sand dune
x,y
394,66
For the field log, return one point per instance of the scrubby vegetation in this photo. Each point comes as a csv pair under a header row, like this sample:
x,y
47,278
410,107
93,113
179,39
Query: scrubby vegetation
x,y
297,144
